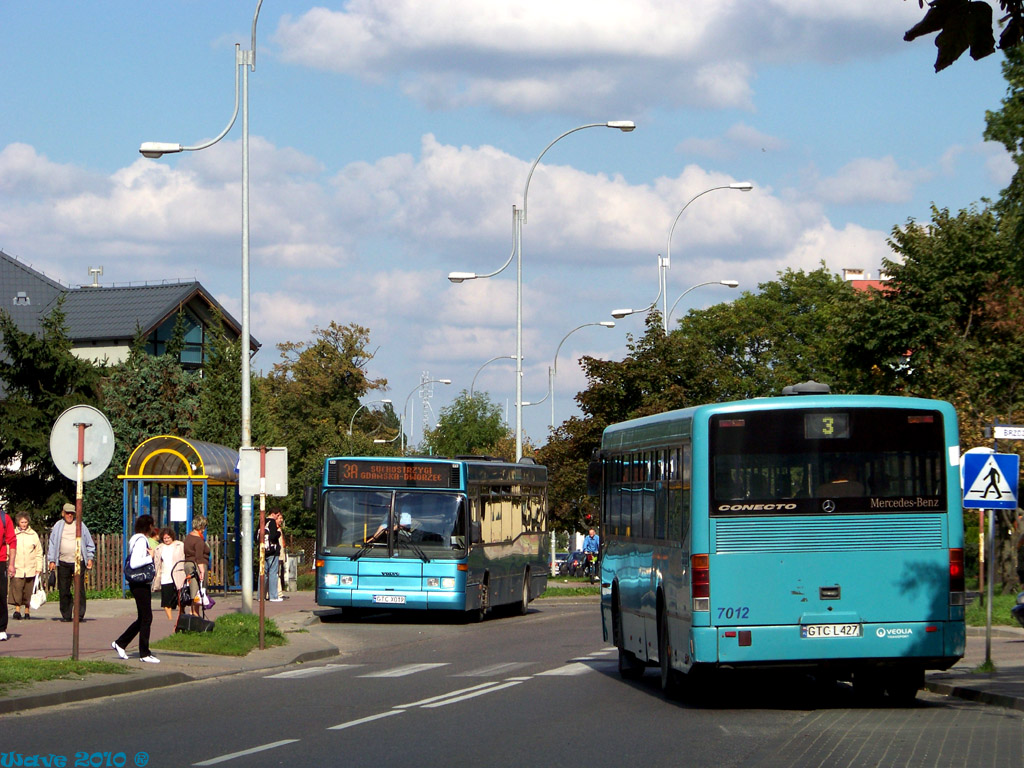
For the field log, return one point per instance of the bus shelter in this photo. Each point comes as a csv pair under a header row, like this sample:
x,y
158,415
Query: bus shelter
x,y
174,480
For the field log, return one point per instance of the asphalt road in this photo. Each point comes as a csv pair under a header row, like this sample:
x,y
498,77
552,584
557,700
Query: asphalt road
x,y
514,691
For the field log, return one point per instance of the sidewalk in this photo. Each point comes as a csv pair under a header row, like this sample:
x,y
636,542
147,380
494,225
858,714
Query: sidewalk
x,y
47,637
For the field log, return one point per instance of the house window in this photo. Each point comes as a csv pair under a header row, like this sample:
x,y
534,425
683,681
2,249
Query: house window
x,y
193,353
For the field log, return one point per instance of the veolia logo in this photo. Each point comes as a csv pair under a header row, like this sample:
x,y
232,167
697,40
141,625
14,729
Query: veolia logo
x,y
899,632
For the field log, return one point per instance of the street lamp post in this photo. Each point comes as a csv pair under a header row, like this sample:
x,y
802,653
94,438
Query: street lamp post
x,y
154,149
404,407
357,410
519,218
726,283
666,264
553,368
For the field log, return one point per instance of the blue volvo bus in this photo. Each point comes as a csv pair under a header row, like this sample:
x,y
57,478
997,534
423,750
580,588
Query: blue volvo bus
x,y
811,531
465,534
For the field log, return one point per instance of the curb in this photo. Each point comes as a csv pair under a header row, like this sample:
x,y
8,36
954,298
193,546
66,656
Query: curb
x,y
973,694
68,696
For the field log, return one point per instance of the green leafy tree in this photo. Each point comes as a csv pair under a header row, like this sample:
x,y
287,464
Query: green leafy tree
x,y
310,397
143,397
41,379
220,399
470,425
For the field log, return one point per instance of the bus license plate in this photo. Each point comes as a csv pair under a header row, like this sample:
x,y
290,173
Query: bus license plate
x,y
389,599
830,630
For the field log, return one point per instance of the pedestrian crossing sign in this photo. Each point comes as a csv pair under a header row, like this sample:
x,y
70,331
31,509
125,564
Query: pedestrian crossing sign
x,y
990,480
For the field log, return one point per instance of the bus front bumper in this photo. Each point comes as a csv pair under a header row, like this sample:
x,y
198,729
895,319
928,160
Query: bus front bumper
x,y
332,597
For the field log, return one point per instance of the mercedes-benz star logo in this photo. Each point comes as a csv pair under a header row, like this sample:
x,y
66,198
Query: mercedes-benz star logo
x,y
828,505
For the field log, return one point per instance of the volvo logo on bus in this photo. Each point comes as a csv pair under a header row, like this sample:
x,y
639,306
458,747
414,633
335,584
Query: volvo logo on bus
x,y
756,507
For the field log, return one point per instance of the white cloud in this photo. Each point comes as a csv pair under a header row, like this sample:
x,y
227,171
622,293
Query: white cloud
x,y
536,55
871,180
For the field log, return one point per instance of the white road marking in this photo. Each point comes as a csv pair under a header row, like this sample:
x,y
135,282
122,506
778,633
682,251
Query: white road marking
x,y
369,719
245,752
310,671
457,699
569,670
408,669
495,669
432,699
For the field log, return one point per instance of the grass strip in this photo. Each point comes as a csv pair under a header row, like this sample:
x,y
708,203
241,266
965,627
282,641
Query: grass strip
x,y
234,634
16,672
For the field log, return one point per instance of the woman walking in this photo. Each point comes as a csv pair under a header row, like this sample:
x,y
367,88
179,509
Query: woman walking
x,y
197,554
139,554
28,563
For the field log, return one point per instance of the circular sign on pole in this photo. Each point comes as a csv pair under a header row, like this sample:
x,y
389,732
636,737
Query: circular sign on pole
x,y
99,442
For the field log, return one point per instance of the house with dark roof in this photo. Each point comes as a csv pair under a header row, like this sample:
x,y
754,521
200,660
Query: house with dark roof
x,y
102,321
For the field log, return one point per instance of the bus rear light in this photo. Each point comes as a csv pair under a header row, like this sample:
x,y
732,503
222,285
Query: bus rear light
x,y
700,582
956,573
931,628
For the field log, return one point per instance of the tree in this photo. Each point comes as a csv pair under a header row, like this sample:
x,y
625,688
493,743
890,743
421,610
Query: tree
x,y
143,397
310,397
41,378
469,425
220,399
964,25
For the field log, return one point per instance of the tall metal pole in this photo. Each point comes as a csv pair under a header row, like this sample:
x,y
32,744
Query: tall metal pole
x,y
247,533
518,219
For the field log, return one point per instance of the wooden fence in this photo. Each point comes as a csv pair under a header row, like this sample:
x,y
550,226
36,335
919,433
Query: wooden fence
x,y
108,564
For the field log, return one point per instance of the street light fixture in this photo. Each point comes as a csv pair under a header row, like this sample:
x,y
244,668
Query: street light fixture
x,y
245,60
666,264
726,283
518,219
553,369
357,410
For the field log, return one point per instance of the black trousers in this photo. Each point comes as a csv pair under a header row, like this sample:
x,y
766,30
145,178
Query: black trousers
x,y
143,621
3,595
65,586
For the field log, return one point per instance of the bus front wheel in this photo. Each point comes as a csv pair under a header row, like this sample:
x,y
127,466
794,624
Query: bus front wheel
x,y
902,686
669,677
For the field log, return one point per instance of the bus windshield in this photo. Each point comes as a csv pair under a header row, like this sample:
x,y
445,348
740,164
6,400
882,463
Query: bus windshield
x,y
393,524
823,460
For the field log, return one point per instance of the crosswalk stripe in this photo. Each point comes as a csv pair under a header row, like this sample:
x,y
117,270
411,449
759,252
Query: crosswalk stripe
x,y
408,669
361,720
489,689
569,670
494,669
310,671
432,699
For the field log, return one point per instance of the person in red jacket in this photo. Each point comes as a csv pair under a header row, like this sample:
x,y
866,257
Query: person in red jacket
x,y
8,545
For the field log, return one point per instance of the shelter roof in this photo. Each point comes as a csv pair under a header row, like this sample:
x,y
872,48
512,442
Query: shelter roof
x,y
173,459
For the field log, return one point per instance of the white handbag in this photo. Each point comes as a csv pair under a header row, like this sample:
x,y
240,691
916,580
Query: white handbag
x,y
38,597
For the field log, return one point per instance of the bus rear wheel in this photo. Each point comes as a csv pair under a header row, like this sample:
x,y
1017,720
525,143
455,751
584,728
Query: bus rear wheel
x,y
902,686
524,601
669,677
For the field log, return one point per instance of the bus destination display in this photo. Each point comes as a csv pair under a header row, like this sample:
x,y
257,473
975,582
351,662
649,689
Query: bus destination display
x,y
391,473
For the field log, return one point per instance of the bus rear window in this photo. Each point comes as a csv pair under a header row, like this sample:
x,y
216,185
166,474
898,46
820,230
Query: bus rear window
x,y
813,461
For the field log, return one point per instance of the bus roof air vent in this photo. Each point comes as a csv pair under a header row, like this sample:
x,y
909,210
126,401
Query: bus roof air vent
x,y
807,388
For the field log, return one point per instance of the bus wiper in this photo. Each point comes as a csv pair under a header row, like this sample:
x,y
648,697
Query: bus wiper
x,y
364,549
415,548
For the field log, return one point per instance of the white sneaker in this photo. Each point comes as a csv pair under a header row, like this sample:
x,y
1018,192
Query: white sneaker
x,y
3,636
149,659
277,599
120,651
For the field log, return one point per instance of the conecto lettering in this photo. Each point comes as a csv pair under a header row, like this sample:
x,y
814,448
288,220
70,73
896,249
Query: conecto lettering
x,y
756,507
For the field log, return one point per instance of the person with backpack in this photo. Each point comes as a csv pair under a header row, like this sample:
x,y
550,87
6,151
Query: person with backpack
x,y
8,547
272,552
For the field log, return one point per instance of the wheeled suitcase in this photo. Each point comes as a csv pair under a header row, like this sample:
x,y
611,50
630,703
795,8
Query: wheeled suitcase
x,y
188,623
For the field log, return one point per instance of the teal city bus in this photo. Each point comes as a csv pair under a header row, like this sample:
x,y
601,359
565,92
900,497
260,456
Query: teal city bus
x,y
812,531
464,534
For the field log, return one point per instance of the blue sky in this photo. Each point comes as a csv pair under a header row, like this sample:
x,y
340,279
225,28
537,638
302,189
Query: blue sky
x,y
391,138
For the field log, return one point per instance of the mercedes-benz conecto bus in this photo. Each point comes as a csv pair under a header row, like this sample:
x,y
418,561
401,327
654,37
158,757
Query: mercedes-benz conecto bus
x,y
431,534
811,531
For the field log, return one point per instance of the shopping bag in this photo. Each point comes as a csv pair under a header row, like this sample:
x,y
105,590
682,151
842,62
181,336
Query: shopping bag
x,y
38,597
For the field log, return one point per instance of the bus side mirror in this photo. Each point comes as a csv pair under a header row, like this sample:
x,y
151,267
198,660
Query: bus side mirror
x,y
309,497
475,532
594,473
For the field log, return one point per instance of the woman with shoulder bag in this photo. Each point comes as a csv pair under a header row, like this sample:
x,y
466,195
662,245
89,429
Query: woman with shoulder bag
x,y
138,566
28,564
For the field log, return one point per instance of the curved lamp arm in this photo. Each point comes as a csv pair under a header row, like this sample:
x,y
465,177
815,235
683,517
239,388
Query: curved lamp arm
x,y
726,283
458,277
742,186
357,410
499,357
